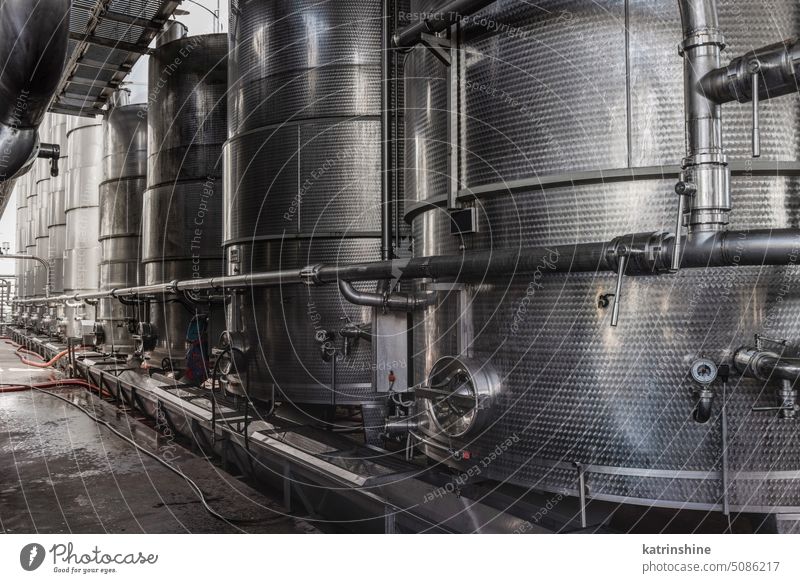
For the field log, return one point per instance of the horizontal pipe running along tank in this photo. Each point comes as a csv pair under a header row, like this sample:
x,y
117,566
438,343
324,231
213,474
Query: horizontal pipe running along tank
x,y
303,184
121,199
525,372
182,215
82,255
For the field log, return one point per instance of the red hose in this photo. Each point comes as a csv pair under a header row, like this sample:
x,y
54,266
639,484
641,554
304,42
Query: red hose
x,y
47,364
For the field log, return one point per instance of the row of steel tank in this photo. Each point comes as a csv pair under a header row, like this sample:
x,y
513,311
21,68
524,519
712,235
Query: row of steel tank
x,y
563,397
541,385
108,183
300,124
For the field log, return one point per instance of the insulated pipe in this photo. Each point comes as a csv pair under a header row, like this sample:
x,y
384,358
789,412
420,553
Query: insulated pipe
x,y
437,21
648,254
705,167
33,49
388,301
777,70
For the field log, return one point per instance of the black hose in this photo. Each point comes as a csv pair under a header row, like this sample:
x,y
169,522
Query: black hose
x,y
192,484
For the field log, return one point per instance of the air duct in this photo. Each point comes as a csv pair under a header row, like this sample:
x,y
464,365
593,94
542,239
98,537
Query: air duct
x,y
33,49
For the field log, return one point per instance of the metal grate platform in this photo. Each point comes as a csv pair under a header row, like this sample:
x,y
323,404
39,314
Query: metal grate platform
x,y
107,37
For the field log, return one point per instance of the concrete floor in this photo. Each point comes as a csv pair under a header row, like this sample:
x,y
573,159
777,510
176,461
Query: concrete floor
x,y
60,472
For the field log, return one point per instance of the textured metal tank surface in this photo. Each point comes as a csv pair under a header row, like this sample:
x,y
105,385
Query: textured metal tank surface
x,y
121,199
21,192
56,207
574,390
29,225
82,255
303,184
182,214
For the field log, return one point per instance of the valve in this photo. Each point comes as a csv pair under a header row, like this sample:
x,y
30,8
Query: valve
x,y
683,189
786,401
326,338
145,339
634,254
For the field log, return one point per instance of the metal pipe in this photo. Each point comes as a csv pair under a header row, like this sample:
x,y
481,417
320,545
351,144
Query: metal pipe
x,y
726,509
437,21
649,254
388,301
33,49
705,166
387,203
44,262
764,365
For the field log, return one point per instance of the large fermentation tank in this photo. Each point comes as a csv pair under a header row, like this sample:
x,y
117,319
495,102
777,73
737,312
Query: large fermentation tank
x,y
182,215
33,279
29,237
41,234
571,87
56,207
82,255
44,189
21,193
57,223
303,182
121,198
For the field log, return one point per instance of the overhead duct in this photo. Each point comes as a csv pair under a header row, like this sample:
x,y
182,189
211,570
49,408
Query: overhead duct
x,y
33,49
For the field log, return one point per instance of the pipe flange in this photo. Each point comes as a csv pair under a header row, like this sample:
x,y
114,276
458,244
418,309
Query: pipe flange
x,y
310,275
704,37
706,159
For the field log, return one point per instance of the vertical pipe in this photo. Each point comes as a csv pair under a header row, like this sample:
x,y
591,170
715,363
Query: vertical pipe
x,y
398,75
705,164
756,121
726,510
386,130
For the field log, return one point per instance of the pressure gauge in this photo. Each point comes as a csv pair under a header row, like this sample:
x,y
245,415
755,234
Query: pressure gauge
x,y
704,371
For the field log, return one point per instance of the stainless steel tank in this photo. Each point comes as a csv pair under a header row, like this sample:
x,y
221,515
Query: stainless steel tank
x,y
21,193
57,224
121,199
82,255
40,232
303,183
33,280
564,94
29,236
182,214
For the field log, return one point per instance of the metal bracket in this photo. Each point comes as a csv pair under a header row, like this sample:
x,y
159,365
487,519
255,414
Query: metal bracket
x,y
439,46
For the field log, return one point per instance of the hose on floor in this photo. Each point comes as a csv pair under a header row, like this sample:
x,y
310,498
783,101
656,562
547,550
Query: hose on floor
x,y
42,388
47,364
